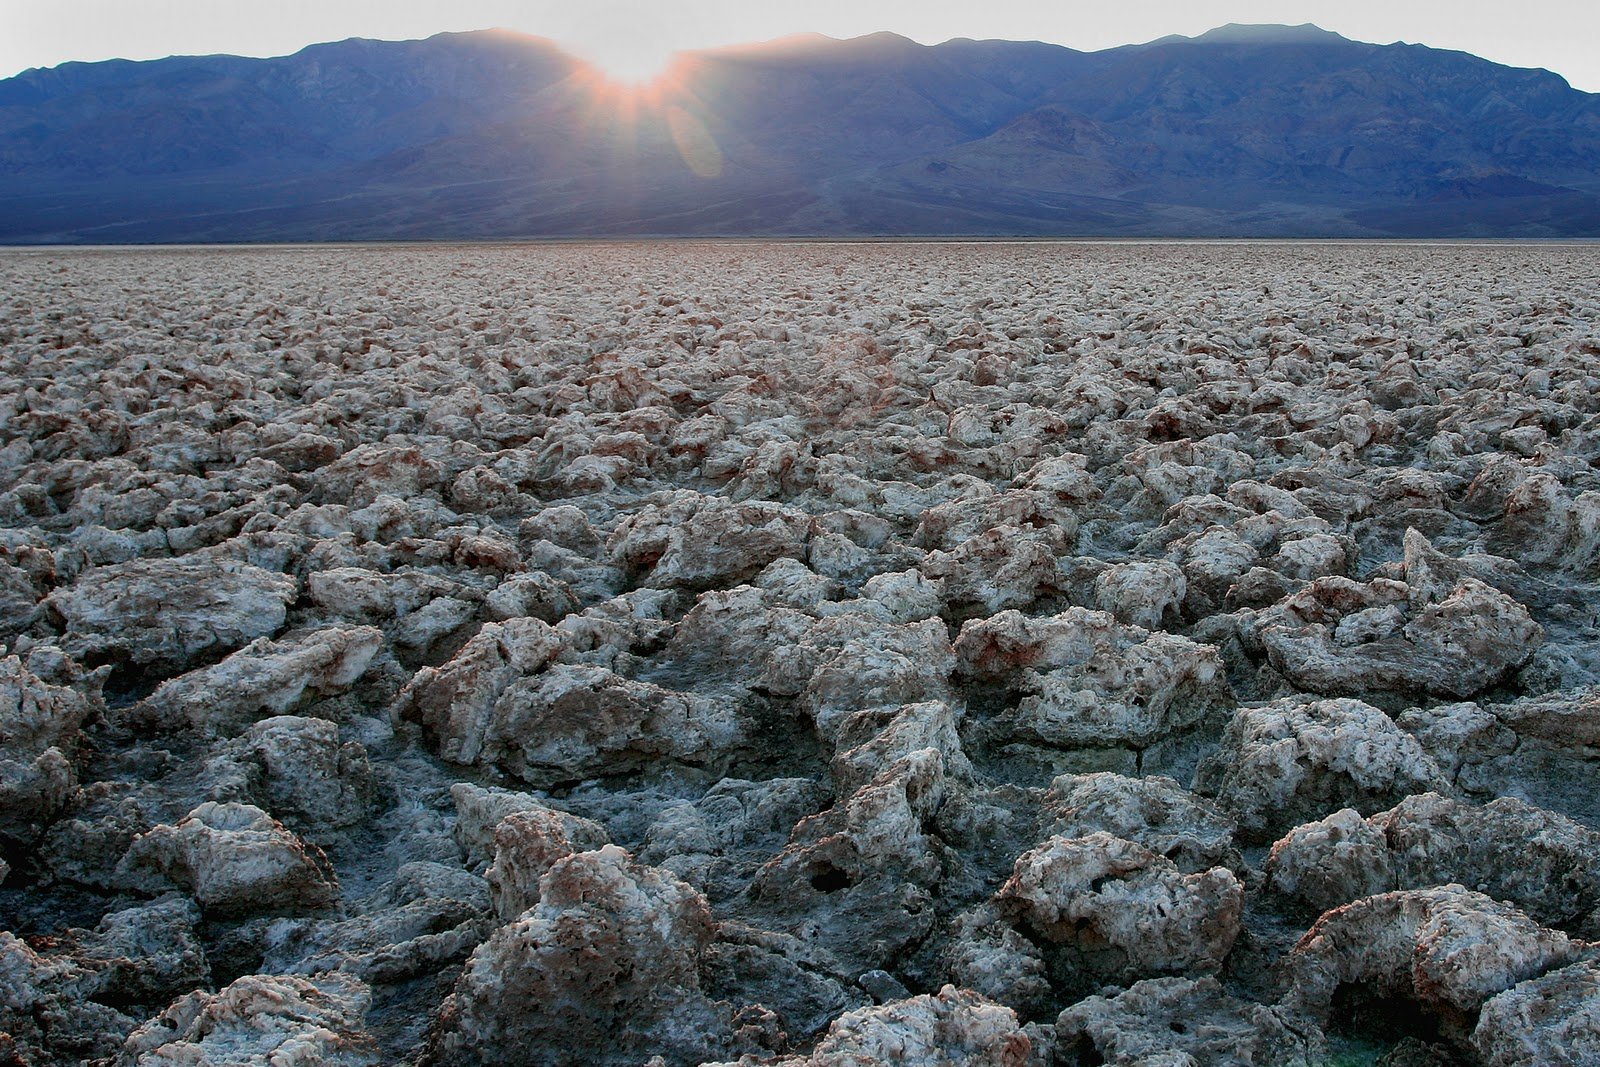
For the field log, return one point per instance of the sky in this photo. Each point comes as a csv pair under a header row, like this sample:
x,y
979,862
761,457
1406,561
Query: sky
x,y
632,37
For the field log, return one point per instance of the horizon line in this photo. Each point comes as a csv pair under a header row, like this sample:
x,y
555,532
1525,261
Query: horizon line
x,y
577,54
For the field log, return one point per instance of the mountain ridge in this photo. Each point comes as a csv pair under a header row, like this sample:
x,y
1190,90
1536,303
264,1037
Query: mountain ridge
x,y
1242,131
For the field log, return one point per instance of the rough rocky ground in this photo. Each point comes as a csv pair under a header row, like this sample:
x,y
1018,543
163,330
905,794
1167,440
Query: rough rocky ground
x,y
1015,655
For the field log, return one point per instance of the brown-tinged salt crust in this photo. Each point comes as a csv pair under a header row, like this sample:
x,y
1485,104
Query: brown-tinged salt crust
x,y
819,655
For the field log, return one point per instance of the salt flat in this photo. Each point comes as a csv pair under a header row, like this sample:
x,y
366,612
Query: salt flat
x,y
998,653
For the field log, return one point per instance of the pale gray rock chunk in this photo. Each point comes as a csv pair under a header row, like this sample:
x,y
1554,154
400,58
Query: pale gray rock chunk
x,y
696,542
1566,720
1370,624
858,879
1543,524
1088,681
1430,575
898,500
40,734
987,955
873,530
1266,499
482,551
908,595
44,1012
434,626
367,595
1458,737
1155,483
139,955
608,633
1155,812
94,545
609,940
594,473
1332,861
588,577
564,525
1257,588
1188,1021
234,859
1543,862
872,739
1146,593
480,809
1547,1021
165,614
1434,633
1189,518
390,519
738,634
265,678
1212,560
1065,478
297,768
952,1026
949,525
536,595
352,593
260,1021
1123,910
853,662
370,471
1447,949
1006,567
1541,748
1292,761
1313,555
1485,497
573,722
789,581
20,594
456,704
302,452
481,490
527,843
836,556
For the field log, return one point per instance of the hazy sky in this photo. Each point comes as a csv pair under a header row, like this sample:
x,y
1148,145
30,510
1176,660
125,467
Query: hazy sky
x,y
1561,35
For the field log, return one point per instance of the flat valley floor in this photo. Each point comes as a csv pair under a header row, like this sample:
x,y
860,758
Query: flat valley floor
x,y
822,654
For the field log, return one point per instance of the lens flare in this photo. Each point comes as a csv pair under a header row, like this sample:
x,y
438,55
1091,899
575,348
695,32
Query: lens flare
x,y
695,143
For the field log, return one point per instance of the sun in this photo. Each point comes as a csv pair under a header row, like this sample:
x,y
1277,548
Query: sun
x,y
632,62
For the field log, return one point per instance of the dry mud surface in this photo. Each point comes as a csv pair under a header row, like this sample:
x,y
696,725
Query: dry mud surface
x,y
1012,655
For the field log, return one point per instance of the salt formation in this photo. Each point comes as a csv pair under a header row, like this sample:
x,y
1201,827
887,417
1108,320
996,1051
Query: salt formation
x,y
1017,655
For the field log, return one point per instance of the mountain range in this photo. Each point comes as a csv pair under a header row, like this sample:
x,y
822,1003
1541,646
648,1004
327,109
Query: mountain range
x,y
1243,131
